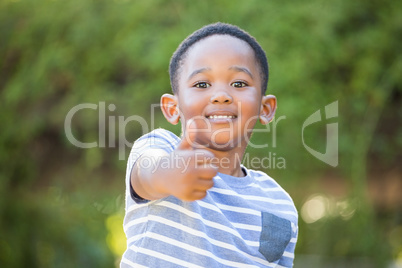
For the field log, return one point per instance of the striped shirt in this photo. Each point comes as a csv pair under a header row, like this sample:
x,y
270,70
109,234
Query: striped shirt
x,y
242,222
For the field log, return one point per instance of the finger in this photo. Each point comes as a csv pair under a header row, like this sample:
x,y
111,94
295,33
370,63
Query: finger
x,y
204,156
207,171
197,195
203,185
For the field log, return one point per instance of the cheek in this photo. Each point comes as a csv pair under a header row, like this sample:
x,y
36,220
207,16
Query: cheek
x,y
249,106
190,105
250,111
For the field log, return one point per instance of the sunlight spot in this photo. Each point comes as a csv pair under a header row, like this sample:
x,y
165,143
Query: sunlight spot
x,y
116,238
314,209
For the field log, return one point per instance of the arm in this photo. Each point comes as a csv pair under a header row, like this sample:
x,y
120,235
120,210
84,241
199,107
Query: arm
x,y
142,171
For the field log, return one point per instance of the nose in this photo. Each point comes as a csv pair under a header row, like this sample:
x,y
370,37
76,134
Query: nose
x,y
221,97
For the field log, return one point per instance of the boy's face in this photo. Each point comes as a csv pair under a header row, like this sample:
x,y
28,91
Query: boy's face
x,y
220,89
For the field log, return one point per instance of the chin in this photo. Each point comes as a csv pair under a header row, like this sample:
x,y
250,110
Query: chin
x,y
221,142
222,145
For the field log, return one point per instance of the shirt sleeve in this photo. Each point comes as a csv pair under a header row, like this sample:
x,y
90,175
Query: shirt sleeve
x,y
157,139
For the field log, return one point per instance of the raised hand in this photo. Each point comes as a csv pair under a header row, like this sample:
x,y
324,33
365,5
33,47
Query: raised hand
x,y
193,172
187,173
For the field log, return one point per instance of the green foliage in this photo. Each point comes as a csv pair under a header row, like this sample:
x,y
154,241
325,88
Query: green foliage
x,y
56,198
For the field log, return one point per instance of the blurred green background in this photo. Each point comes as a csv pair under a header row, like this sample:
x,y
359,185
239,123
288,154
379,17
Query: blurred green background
x,y
63,206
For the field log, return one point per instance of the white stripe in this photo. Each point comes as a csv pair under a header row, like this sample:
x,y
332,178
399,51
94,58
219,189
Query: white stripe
x,y
288,254
135,238
247,226
200,234
208,206
263,178
268,180
294,227
269,200
132,264
136,206
272,189
196,250
163,257
134,222
229,208
236,225
239,209
252,197
207,222
280,266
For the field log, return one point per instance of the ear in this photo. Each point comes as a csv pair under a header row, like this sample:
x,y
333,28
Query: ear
x,y
170,108
268,108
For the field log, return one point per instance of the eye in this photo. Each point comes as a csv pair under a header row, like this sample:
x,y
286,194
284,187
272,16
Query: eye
x,y
239,84
202,85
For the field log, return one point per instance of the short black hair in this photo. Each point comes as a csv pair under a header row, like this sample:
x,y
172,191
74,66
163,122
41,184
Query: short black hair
x,y
217,29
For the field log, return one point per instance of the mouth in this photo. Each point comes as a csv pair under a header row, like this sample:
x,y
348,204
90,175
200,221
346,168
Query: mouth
x,y
221,116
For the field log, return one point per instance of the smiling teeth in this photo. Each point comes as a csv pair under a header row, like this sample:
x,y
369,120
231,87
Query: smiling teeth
x,y
221,116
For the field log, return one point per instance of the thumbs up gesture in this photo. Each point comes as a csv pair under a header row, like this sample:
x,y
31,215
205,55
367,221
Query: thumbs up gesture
x,y
194,172
188,175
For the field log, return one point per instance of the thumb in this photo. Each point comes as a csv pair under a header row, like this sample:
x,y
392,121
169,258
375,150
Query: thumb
x,y
188,139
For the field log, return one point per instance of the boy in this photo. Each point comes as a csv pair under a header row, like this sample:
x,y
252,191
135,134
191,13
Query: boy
x,y
189,201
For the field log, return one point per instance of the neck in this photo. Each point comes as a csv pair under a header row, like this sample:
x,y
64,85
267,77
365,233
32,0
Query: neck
x,y
229,162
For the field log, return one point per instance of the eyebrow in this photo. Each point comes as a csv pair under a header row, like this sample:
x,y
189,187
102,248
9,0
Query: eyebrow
x,y
234,68
241,69
201,70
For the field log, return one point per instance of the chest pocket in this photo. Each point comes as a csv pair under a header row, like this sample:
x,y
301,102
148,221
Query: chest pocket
x,y
275,236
